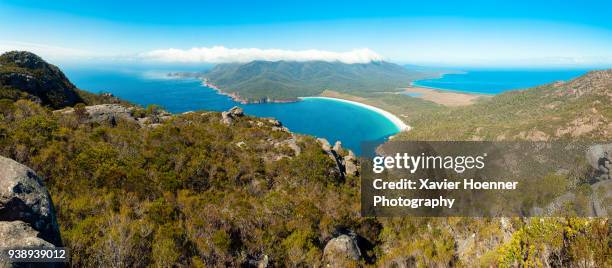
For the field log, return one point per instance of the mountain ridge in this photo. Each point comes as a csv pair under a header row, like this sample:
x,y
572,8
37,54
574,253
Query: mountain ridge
x,y
261,81
26,75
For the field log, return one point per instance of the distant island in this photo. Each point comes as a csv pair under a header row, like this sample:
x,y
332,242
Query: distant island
x,y
285,81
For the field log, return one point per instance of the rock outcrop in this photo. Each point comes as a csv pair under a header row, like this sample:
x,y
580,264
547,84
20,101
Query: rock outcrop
x,y
228,117
18,234
338,147
341,251
593,156
24,198
351,164
346,160
103,113
27,216
324,144
291,143
112,113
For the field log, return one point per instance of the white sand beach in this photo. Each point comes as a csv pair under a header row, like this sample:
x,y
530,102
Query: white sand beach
x,y
394,119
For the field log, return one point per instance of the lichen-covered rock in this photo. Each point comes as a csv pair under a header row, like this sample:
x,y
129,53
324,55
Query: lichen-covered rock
x,y
324,144
341,251
24,198
236,111
338,146
18,234
351,166
595,152
229,116
226,118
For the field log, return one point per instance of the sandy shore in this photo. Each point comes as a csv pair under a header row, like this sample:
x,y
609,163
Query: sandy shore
x,y
394,119
448,98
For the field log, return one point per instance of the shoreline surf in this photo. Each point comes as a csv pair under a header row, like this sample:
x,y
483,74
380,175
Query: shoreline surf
x,y
389,116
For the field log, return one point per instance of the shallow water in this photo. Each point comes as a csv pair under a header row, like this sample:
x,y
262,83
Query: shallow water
x,y
498,81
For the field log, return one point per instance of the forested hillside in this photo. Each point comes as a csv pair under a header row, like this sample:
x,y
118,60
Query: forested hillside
x,y
260,80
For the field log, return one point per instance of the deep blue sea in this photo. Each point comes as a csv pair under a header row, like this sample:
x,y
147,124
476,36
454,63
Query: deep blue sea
x,y
328,119
497,81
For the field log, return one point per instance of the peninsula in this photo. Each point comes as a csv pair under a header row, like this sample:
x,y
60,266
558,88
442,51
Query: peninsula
x,y
282,81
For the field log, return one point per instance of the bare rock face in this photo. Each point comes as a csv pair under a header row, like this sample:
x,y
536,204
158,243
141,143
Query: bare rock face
x,y
341,251
24,198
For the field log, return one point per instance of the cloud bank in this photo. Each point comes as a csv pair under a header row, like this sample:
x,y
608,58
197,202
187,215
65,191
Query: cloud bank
x,y
220,54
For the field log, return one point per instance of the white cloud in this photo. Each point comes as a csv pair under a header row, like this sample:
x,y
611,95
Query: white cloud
x,y
220,54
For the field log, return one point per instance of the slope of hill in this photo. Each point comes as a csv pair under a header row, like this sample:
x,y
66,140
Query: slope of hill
x,y
281,80
579,108
24,75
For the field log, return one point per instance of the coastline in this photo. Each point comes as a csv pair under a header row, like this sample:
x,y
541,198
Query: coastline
x,y
391,117
401,126
235,97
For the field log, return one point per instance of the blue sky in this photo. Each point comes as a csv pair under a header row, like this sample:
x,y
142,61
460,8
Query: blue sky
x,y
443,33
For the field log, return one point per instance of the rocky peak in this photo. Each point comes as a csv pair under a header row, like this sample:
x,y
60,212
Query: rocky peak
x,y
23,59
25,72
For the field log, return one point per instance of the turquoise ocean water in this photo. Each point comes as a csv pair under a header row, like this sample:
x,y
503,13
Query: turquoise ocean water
x,y
497,81
328,119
